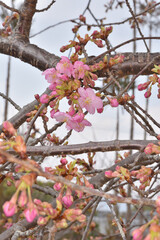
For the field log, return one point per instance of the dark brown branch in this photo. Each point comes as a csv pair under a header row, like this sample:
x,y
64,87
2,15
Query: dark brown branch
x,y
9,8
106,146
28,53
18,119
42,59
45,9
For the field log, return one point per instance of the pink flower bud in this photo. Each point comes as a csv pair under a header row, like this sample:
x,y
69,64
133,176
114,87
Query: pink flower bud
x,y
99,43
42,220
113,102
63,161
9,208
148,149
37,201
22,199
9,128
67,200
57,186
82,18
158,202
137,234
44,98
108,174
143,86
37,97
30,212
100,110
147,94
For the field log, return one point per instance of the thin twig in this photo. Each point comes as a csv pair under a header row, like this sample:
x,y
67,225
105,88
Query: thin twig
x,y
11,101
45,9
140,32
9,8
73,186
116,219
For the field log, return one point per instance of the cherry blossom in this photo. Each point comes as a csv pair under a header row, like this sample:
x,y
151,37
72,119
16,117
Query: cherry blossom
x,y
50,75
65,66
72,122
79,69
89,100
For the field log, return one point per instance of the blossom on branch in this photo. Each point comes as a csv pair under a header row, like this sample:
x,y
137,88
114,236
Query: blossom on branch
x,y
65,66
79,69
89,100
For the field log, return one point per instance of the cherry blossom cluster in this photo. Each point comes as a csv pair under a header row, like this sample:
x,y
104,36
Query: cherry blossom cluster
x,y
152,148
10,139
144,175
22,203
67,81
152,81
75,82
69,171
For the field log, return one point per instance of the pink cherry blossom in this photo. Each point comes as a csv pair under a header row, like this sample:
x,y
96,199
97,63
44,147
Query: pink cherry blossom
x,y
77,126
50,75
9,208
30,212
72,122
89,100
78,117
65,66
67,200
79,69
61,116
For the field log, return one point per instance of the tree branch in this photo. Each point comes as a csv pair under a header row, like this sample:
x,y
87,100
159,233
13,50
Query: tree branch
x,y
41,59
106,146
8,7
73,186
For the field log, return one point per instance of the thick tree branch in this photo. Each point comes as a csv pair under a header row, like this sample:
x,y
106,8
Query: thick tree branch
x,y
8,7
42,59
25,19
18,119
28,53
106,146
136,159
22,225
